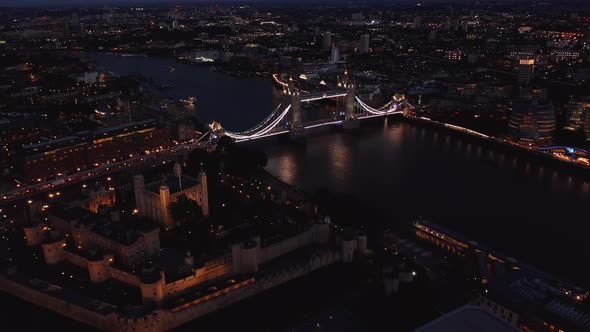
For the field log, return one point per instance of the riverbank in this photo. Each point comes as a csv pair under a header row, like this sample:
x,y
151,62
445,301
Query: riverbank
x,y
533,153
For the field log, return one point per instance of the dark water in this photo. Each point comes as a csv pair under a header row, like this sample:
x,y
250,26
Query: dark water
x,y
403,171
524,208
237,103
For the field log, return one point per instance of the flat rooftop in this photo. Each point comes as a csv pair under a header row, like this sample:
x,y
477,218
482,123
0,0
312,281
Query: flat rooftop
x,y
468,319
124,232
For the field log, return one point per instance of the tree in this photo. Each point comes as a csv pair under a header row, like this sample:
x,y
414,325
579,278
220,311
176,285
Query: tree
x,y
224,142
185,210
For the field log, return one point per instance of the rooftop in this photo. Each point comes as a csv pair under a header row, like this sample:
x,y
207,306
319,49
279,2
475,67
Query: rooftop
x,y
523,292
468,319
173,184
122,232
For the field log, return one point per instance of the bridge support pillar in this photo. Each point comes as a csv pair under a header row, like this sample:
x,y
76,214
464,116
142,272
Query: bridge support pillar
x,y
350,124
350,119
296,130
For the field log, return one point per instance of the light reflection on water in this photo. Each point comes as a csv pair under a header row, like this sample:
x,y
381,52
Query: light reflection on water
x,y
405,171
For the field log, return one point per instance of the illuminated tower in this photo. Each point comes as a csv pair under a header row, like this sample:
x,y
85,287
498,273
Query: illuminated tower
x,y
296,127
525,71
350,120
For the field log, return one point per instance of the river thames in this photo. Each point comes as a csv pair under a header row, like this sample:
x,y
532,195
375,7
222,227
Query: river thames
x,y
533,212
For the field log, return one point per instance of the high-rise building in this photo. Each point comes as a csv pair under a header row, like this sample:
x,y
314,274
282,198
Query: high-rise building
x,y
67,26
417,22
432,36
335,55
528,93
447,24
327,40
578,116
83,30
357,16
364,46
525,71
532,124
75,19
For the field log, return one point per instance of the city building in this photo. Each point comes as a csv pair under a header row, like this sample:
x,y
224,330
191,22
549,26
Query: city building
x,y
187,291
454,55
578,116
525,70
327,40
153,200
129,243
468,318
533,304
86,150
335,56
532,124
102,197
364,46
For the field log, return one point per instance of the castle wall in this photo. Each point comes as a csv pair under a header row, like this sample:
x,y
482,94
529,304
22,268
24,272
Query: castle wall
x,y
162,320
34,234
286,246
60,224
124,276
210,271
223,298
76,259
63,307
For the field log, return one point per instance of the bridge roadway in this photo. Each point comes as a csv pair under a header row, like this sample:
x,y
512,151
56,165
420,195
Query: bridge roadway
x,y
314,124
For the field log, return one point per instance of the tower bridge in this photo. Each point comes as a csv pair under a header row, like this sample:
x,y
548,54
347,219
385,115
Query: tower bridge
x,y
288,117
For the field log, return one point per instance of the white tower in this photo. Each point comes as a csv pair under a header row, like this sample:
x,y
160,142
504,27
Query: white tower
x,y
138,188
204,193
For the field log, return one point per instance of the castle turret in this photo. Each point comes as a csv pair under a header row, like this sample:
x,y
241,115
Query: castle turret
x,y
178,173
165,218
188,259
98,268
151,241
361,244
250,257
348,245
34,234
236,253
138,188
177,169
153,286
245,256
53,251
203,193
321,230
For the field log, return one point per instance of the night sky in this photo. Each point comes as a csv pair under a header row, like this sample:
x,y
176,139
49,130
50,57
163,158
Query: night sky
x,y
46,3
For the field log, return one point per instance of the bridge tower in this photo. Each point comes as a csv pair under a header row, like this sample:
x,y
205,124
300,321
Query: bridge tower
x,y
350,119
296,129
